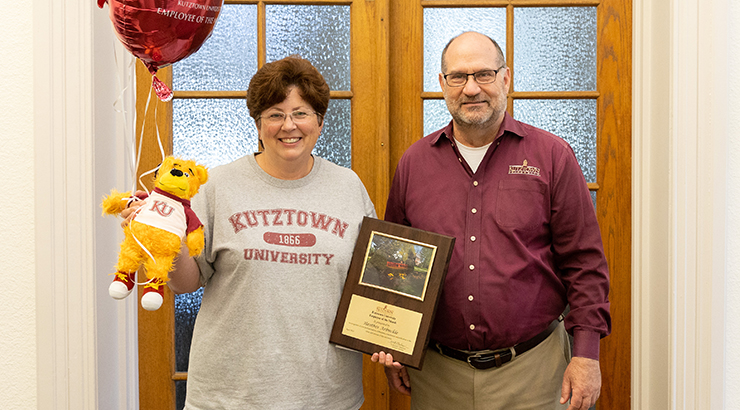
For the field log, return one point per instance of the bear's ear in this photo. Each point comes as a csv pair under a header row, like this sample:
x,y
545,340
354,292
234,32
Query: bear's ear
x,y
168,162
202,173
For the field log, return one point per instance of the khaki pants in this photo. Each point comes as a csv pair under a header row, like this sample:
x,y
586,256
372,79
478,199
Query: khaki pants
x,y
530,381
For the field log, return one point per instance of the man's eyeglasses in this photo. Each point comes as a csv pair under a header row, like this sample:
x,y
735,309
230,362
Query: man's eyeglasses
x,y
278,117
481,77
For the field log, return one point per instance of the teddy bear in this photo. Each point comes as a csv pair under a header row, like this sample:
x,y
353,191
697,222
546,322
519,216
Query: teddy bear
x,y
154,235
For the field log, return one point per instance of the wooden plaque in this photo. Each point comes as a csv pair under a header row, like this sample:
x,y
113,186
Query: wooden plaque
x,y
393,286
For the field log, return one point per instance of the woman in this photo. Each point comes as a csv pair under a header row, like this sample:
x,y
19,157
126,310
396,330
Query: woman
x,y
280,228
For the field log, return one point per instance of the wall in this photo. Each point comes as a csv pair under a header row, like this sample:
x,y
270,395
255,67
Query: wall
x,y
17,254
116,337
684,205
60,141
732,313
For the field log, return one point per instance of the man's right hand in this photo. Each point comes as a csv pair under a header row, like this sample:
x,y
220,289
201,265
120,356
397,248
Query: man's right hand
x,y
396,373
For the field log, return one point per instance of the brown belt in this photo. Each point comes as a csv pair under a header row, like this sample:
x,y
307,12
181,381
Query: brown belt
x,y
486,359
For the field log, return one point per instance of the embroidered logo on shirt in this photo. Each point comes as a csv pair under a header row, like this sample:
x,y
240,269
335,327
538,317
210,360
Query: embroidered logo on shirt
x,y
524,169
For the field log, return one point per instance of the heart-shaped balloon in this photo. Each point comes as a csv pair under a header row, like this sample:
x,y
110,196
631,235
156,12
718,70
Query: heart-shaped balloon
x,y
162,32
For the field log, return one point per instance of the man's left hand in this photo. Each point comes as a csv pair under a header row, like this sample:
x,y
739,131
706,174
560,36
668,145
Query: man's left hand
x,y
581,383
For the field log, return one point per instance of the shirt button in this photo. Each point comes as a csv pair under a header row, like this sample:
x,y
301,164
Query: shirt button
x,y
472,238
475,183
474,210
470,298
471,267
472,327
459,159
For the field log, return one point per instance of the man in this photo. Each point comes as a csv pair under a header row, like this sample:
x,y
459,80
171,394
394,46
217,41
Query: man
x,y
527,248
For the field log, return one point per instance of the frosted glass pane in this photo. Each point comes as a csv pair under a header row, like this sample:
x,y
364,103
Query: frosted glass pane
x,y
572,120
180,388
555,49
192,141
228,59
320,34
218,131
593,198
186,309
335,142
212,131
436,115
442,24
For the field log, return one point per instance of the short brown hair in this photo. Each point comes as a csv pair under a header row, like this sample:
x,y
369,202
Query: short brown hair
x,y
271,83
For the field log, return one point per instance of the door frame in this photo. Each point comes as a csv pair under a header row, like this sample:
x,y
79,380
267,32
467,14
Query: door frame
x,y
654,237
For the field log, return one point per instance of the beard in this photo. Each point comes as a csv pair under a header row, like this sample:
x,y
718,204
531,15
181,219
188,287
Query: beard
x,y
482,117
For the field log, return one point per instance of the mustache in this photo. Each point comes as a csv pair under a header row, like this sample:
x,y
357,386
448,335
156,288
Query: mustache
x,y
473,100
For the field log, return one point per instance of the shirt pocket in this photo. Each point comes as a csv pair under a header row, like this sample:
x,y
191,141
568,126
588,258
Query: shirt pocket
x,y
521,204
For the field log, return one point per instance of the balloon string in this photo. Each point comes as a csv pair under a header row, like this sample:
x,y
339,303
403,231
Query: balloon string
x,y
149,101
149,107
159,137
130,137
119,105
141,139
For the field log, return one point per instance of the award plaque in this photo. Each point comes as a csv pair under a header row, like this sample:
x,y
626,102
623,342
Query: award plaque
x,y
393,285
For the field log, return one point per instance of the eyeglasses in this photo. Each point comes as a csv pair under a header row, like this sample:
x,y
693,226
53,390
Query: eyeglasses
x,y
481,77
278,117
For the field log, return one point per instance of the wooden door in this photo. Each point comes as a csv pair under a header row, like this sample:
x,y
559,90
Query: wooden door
x,y
207,120
571,64
391,104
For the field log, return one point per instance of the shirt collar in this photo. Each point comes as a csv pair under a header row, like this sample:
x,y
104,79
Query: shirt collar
x,y
183,201
509,125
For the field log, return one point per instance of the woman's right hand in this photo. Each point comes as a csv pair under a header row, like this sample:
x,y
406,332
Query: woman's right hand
x,y
128,213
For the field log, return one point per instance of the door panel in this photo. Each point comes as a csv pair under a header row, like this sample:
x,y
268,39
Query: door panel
x,y
571,68
208,121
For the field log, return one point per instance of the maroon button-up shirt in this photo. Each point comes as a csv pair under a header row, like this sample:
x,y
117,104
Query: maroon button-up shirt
x,y
527,240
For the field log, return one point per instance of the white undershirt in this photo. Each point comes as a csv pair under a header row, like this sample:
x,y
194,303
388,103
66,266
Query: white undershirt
x,y
472,155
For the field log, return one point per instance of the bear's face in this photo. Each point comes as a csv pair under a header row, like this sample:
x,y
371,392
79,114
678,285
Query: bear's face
x,y
181,178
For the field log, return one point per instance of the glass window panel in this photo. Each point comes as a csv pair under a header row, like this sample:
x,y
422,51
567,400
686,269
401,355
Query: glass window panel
x,y
555,49
218,131
187,306
228,59
572,120
335,142
180,388
212,131
212,144
436,115
442,24
319,34
593,198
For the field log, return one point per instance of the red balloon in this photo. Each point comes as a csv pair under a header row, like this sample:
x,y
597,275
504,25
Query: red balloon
x,y
162,32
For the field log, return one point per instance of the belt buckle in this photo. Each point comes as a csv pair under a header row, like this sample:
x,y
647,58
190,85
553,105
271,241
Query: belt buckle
x,y
496,356
473,356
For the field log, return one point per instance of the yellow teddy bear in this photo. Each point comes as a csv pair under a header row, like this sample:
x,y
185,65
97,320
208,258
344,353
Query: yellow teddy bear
x,y
154,236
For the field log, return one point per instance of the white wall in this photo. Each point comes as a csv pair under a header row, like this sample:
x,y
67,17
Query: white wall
x,y
685,205
732,313
82,353
113,91
17,253
62,145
